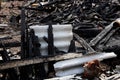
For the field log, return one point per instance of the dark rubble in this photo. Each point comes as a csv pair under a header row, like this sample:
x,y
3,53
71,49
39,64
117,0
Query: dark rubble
x,y
20,50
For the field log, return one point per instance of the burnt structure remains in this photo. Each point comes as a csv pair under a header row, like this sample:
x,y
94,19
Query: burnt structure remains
x,y
58,37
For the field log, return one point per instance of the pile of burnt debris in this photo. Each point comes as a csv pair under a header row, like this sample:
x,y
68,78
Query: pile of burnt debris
x,y
60,40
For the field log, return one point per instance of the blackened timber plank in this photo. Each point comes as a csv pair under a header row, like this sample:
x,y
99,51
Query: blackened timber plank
x,y
36,60
109,29
84,44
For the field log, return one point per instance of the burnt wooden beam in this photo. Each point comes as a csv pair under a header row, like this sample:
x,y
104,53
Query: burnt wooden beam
x,y
23,33
50,40
36,60
100,36
108,36
84,44
108,31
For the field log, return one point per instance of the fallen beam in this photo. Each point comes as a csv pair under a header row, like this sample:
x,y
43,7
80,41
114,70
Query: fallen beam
x,y
84,44
25,62
110,28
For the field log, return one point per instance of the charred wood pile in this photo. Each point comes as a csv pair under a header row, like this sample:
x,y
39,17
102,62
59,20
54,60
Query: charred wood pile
x,y
60,40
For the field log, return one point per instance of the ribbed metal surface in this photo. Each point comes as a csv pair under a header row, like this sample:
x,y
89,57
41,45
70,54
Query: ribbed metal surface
x,y
84,59
70,71
62,36
72,66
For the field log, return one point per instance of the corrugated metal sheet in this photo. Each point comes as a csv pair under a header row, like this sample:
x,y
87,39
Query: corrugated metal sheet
x,y
70,71
62,36
73,66
78,61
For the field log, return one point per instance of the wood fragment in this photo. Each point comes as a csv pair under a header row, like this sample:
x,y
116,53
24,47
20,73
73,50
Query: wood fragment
x,y
19,63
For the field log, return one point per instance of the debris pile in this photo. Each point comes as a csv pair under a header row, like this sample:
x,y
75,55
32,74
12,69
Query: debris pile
x,y
61,40
10,10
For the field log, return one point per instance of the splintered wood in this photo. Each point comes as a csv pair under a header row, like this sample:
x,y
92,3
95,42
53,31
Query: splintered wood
x,y
37,60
